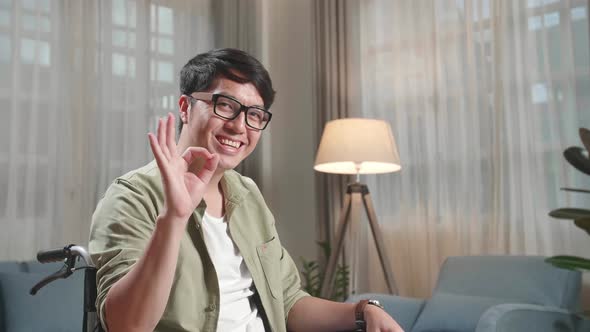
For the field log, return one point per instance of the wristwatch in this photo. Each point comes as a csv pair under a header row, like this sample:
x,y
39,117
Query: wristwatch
x,y
359,313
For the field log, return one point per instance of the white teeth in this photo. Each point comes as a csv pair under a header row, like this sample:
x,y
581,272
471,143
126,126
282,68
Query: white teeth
x,y
231,143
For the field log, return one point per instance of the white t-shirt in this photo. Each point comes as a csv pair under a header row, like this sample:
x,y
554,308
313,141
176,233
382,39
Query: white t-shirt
x,y
237,310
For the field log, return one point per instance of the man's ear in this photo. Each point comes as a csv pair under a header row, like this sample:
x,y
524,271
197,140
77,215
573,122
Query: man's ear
x,y
184,105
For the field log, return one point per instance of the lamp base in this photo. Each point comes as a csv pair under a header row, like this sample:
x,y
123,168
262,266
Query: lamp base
x,y
355,194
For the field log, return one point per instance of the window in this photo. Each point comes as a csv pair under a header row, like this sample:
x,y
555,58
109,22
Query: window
x,y
26,49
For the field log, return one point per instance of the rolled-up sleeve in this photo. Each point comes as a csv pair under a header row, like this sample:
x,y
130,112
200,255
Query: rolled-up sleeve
x,y
292,291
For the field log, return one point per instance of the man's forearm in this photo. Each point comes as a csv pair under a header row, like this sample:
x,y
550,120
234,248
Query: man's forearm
x,y
315,314
137,301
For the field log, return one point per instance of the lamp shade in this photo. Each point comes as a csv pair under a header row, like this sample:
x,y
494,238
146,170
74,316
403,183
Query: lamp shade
x,y
351,146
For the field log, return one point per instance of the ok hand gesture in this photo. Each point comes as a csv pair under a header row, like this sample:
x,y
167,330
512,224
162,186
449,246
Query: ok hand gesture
x,y
183,190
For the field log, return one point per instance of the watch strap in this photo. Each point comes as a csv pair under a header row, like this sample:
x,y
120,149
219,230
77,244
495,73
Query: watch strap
x,y
359,313
359,316
359,310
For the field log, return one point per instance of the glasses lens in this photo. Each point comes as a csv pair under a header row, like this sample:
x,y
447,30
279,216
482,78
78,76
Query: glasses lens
x,y
226,107
257,118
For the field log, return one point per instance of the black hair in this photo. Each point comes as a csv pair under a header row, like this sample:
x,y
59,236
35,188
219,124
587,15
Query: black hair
x,y
201,72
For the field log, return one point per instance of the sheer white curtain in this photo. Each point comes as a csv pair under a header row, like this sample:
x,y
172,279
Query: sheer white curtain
x,y
82,82
483,97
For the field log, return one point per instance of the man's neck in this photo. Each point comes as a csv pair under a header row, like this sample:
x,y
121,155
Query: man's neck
x,y
214,196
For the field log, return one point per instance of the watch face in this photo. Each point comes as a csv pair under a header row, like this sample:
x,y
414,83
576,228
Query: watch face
x,y
375,303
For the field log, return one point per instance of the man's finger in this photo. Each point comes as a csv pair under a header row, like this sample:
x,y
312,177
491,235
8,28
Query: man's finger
x,y
207,171
193,153
160,160
162,138
171,135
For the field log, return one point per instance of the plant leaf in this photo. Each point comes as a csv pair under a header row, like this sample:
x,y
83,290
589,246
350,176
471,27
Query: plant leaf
x,y
578,158
569,262
570,213
312,276
583,224
576,190
585,137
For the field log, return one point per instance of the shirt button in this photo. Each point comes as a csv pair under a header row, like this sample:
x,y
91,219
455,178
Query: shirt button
x,y
210,308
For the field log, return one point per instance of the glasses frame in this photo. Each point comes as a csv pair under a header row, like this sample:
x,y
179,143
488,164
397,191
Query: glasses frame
x,y
213,97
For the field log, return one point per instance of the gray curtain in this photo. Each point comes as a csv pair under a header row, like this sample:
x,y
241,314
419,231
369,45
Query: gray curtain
x,y
337,93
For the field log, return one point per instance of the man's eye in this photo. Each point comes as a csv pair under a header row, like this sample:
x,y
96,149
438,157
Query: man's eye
x,y
258,116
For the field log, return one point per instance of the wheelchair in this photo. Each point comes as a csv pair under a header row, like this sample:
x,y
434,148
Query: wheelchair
x,y
70,255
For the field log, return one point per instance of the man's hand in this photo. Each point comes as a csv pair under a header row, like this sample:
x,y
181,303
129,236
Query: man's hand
x,y
183,190
315,314
379,321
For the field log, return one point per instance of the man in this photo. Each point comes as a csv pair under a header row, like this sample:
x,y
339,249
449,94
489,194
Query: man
x,y
187,244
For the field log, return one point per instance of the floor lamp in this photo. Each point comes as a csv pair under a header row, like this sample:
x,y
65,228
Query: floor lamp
x,y
357,146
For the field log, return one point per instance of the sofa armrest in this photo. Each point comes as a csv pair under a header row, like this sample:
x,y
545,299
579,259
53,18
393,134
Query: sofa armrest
x,y
529,317
404,310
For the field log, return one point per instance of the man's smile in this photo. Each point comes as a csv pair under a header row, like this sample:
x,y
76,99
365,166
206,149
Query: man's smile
x,y
228,144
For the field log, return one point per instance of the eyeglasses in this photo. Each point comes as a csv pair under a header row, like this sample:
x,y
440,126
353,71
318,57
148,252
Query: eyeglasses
x,y
229,108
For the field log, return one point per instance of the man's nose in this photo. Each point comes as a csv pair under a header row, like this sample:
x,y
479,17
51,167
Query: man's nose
x,y
238,124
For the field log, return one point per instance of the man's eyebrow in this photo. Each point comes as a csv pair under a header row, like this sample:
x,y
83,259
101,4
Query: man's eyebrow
x,y
236,98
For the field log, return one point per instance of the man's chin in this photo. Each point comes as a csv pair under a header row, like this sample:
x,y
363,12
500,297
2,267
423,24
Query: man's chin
x,y
230,161
226,165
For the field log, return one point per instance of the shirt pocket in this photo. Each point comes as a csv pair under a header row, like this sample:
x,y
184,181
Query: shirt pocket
x,y
269,254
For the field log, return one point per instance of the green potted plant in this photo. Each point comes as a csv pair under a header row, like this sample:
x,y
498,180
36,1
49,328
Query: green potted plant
x,y
312,273
579,158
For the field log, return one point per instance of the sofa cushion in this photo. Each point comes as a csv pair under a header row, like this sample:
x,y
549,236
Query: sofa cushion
x,y
528,317
12,267
58,307
446,312
47,268
496,276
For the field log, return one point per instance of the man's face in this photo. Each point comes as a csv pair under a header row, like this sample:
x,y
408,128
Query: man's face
x,y
232,140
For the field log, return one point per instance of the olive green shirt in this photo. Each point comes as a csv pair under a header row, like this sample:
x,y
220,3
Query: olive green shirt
x,y
125,219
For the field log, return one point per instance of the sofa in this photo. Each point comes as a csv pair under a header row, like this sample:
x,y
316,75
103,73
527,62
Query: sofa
x,y
474,293
57,307
492,294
